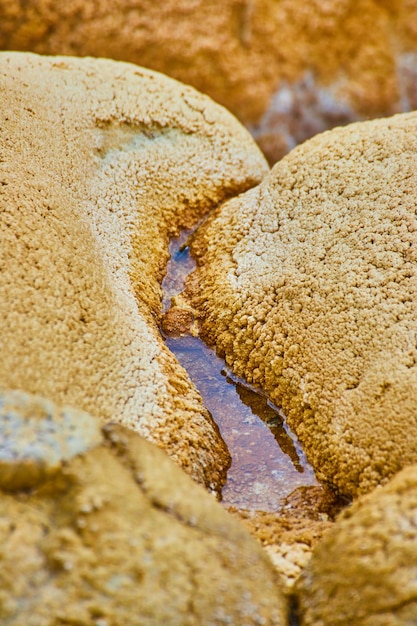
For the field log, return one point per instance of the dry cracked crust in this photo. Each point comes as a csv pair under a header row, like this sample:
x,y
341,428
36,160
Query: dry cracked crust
x,y
288,69
101,163
109,531
307,285
364,570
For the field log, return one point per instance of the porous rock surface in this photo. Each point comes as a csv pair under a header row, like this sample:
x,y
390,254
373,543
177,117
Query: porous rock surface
x,y
363,572
290,534
288,69
118,534
101,162
308,286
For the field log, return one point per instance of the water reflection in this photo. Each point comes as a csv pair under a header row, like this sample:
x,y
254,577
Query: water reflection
x,y
267,463
273,418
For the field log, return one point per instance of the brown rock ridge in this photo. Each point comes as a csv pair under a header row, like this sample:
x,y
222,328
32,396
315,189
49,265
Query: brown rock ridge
x,y
288,69
308,286
101,162
117,534
364,570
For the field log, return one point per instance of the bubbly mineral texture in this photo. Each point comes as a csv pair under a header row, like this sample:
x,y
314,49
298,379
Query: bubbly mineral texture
x,y
288,69
364,570
101,162
307,285
120,535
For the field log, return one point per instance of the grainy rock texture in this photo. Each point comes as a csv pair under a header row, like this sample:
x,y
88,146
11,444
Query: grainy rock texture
x,y
101,162
120,535
289,69
364,570
308,285
37,436
290,534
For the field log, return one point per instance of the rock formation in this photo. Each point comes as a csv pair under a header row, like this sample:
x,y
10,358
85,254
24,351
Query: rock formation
x,y
364,570
112,532
101,162
307,285
287,69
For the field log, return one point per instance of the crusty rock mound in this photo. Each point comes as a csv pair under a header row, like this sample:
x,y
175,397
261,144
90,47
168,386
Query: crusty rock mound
x,y
308,286
101,162
364,570
117,534
288,69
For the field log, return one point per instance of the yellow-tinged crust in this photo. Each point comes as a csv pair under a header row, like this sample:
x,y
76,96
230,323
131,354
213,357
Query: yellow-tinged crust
x,y
267,61
120,535
364,570
101,162
308,286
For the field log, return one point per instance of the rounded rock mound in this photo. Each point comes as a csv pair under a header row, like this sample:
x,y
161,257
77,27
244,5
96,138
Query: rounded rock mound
x,y
307,285
102,162
287,69
118,534
364,570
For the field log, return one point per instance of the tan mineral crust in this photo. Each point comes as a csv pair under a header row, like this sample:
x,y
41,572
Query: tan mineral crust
x,y
308,286
364,570
290,535
288,69
117,533
101,162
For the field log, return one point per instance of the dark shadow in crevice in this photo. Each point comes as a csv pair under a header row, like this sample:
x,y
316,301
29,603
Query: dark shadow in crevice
x,y
271,416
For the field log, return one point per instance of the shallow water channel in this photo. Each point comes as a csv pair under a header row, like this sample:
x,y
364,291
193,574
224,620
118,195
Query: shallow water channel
x,y
267,461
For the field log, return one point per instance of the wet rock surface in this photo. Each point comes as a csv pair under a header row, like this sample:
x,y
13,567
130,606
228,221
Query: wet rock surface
x,y
101,163
287,69
119,534
364,570
307,285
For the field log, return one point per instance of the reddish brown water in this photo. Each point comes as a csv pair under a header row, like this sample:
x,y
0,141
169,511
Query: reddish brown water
x,y
267,461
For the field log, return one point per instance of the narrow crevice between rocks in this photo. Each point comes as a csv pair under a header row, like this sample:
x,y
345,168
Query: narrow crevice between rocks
x,y
267,461
293,617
